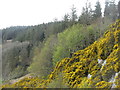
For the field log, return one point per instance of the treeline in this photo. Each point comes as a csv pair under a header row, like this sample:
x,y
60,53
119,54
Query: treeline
x,y
48,43
87,17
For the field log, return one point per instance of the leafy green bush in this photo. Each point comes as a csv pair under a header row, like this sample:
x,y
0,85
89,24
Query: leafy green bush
x,y
58,82
75,38
42,59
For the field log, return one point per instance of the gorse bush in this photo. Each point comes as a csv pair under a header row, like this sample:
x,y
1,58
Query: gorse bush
x,y
85,62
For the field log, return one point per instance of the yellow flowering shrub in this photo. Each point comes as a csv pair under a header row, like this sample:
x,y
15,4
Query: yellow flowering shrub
x,y
84,62
117,82
103,84
26,83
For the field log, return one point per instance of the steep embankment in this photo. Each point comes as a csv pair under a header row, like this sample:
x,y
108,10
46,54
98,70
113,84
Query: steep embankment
x,y
97,66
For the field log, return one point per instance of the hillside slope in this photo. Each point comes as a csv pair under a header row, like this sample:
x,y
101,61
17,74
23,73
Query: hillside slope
x,y
97,66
